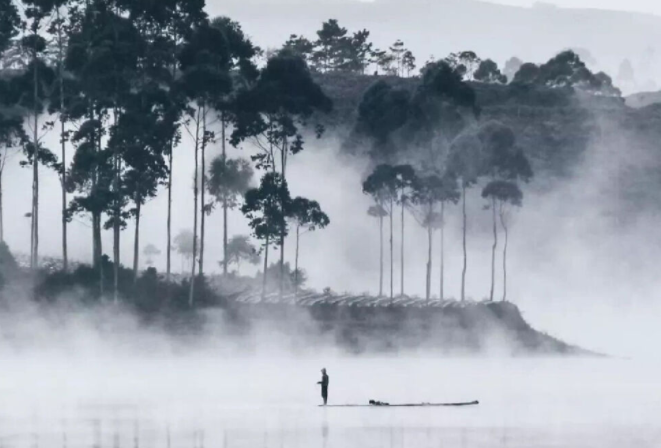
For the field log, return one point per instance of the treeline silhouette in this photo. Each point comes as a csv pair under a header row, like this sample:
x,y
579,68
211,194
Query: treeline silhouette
x,y
124,83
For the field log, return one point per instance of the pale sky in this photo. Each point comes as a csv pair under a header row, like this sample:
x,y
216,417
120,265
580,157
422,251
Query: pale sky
x,y
648,6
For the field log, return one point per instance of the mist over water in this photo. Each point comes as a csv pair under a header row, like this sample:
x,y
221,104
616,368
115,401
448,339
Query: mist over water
x,y
583,251
272,401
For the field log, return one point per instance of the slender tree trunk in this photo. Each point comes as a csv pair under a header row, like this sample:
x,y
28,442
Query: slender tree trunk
x,y
298,228
442,251
63,177
116,227
266,265
463,272
96,216
380,256
173,71
98,251
191,292
282,232
136,242
225,205
392,264
65,251
504,224
2,211
203,190
34,246
169,245
493,250
402,254
430,233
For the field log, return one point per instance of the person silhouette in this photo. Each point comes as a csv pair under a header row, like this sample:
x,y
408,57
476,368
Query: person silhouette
x,y
324,386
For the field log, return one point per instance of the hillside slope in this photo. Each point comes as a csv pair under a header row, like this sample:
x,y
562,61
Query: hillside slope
x,y
365,324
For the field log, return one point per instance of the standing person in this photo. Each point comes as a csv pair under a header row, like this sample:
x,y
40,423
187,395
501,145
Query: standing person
x,y
324,386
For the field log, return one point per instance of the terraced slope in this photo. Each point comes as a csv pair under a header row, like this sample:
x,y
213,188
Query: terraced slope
x,y
365,324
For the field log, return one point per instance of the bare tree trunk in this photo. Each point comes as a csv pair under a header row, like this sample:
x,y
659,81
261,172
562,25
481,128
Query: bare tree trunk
x,y
282,232
98,251
191,292
402,254
63,177
116,228
430,237
203,188
493,250
504,224
442,297
34,247
225,205
136,242
298,228
266,265
380,256
173,71
463,273
65,252
169,245
2,211
392,292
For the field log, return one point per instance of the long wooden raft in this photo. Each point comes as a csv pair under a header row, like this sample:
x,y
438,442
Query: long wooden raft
x,y
407,405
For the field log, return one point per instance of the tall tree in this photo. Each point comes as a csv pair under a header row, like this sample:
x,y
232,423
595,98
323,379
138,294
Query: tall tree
x,y
205,64
59,29
267,208
432,191
509,195
405,181
35,85
443,107
183,16
229,180
328,54
397,50
408,62
244,73
467,164
273,115
308,217
378,211
504,162
382,185
358,51
502,193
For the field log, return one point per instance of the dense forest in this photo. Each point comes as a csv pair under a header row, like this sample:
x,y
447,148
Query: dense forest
x,y
123,83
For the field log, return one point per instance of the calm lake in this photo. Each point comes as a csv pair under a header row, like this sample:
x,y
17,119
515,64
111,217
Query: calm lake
x,y
196,402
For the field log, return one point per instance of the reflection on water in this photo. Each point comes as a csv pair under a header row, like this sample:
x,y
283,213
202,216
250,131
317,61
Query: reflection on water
x,y
119,428
531,404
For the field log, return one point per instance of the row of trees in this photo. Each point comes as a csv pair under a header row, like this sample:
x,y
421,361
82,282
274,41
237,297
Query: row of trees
x,y
128,83
336,50
437,131
123,84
